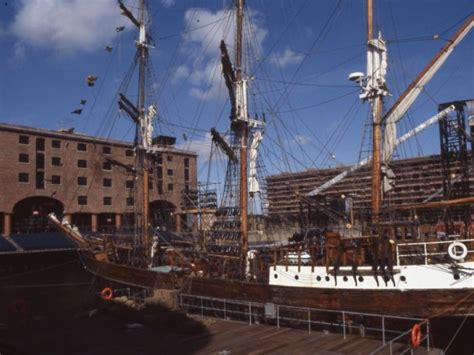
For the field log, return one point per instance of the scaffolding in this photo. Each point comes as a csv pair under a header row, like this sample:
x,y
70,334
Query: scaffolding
x,y
455,162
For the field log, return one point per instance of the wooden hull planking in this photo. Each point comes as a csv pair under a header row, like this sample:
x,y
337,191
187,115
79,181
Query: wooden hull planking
x,y
412,303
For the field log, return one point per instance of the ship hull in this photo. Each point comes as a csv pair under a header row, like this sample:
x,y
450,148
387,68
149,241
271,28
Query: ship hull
x,y
407,303
413,303
130,276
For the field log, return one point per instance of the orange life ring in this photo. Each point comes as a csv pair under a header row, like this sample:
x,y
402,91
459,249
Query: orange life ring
x,y
415,336
106,294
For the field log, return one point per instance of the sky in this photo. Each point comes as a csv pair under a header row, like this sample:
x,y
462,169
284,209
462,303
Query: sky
x,y
297,56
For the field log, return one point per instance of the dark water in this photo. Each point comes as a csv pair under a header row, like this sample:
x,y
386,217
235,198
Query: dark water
x,y
52,306
454,335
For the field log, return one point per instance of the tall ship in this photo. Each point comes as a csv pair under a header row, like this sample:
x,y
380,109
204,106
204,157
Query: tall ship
x,y
335,269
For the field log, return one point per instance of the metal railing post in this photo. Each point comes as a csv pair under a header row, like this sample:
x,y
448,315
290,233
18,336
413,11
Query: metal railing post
x,y
428,335
202,307
225,310
309,321
278,316
390,347
250,313
383,330
344,324
425,250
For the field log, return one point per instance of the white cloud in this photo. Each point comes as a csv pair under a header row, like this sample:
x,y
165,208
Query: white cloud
x,y
202,46
67,25
208,82
201,146
209,28
168,3
287,57
180,73
301,139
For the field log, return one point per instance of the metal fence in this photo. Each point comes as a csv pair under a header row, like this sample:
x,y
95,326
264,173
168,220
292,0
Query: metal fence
x,y
390,329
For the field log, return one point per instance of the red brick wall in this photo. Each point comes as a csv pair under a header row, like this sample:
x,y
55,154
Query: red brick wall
x,y
12,191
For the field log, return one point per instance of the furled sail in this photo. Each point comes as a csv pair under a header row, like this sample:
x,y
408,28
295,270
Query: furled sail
x,y
148,133
253,182
404,102
376,70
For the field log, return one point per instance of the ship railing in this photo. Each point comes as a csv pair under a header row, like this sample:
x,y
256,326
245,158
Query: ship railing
x,y
314,255
392,330
428,252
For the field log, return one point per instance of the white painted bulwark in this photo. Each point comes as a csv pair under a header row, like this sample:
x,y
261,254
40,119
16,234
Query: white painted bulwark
x,y
410,277
405,276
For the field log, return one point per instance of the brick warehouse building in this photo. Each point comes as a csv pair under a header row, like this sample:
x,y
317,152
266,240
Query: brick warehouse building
x,y
88,179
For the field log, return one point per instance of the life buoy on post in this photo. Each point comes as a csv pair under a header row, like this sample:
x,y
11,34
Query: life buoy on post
x,y
416,336
106,294
457,251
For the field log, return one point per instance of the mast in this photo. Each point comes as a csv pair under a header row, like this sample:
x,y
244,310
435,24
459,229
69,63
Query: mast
x,y
142,117
242,107
370,20
377,104
144,126
143,53
241,174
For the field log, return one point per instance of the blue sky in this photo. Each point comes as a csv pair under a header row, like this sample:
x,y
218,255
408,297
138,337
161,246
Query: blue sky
x,y
298,52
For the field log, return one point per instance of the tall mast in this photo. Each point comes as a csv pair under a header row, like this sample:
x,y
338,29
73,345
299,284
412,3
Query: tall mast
x,y
370,20
377,103
143,119
241,105
144,126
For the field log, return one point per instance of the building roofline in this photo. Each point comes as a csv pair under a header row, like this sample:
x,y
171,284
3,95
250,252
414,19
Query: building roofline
x,y
82,137
339,168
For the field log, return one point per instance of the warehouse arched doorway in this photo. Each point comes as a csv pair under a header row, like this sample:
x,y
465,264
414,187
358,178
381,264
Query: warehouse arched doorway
x,y
106,222
162,214
30,214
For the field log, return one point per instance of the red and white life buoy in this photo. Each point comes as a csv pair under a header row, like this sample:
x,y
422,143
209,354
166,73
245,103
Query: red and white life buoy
x,y
106,294
457,251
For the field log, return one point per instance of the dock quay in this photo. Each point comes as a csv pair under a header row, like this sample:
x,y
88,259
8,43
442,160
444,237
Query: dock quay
x,y
111,331
240,338
280,329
